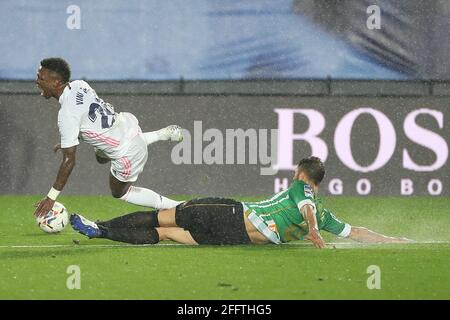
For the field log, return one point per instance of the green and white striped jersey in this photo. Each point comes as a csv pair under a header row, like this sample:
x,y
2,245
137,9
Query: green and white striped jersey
x,y
279,217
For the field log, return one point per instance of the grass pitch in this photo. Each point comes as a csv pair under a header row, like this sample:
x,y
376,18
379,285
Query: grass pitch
x,y
34,265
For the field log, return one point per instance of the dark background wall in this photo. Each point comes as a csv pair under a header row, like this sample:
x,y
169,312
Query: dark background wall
x,y
28,131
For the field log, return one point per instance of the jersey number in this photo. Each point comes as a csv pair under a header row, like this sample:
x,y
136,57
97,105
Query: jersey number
x,y
106,111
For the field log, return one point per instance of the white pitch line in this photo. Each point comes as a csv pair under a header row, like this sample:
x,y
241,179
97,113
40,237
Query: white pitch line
x,y
89,246
365,244
178,244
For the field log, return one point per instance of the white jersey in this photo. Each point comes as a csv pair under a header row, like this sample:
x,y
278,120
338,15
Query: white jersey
x,y
83,115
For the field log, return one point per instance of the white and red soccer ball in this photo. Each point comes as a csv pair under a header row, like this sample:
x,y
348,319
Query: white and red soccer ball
x,y
55,220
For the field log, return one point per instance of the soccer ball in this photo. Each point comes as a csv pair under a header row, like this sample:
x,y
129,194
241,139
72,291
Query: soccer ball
x,y
55,220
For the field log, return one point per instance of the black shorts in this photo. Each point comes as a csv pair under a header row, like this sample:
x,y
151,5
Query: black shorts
x,y
214,221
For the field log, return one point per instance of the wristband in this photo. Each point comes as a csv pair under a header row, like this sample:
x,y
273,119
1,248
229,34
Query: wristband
x,y
53,194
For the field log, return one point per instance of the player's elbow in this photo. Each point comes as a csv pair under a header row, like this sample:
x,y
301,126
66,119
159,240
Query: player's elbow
x,y
69,157
69,162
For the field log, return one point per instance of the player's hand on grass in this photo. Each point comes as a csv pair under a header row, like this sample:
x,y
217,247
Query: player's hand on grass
x,y
315,237
56,147
43,206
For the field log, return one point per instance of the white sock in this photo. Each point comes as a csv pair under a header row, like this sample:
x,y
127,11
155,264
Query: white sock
x,y
151,137
148,198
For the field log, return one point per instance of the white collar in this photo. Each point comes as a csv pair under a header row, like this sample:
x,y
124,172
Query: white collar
x,y
64,93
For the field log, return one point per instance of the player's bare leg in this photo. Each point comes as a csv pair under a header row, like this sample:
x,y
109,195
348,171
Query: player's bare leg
x,y
179,235
166,218
118,188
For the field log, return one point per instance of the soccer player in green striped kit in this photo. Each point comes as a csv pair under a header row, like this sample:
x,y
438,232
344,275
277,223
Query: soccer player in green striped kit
x,y
294,214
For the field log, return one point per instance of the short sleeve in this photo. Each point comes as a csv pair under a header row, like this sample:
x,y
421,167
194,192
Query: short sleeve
x,y
302,194
335,226
69,129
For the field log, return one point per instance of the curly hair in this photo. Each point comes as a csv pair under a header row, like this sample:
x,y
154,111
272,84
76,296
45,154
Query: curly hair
x,y
58,66
314,169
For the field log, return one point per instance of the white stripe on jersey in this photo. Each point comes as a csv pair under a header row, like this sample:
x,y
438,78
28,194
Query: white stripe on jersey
x,y
261,205
268,200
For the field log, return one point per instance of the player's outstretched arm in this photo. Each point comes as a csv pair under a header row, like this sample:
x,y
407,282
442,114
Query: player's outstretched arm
x,y
313,232
362,234
64,172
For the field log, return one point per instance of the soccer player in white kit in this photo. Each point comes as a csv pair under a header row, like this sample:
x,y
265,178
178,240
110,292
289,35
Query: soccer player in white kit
x,y
116,137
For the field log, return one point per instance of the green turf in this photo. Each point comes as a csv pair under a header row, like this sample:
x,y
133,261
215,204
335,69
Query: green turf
x,y
292,271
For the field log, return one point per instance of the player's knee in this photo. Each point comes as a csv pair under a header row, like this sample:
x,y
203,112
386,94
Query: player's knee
x,y
118,193
102,160
162,234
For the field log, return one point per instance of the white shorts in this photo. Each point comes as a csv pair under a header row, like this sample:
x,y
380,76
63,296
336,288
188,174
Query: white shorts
x,y
128,168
